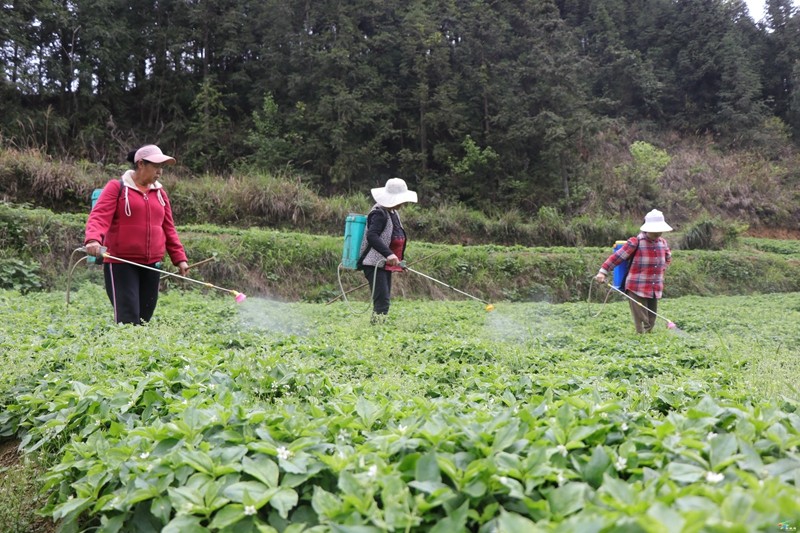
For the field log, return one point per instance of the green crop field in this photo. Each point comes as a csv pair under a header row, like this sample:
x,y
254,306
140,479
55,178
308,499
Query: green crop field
x,y
268,416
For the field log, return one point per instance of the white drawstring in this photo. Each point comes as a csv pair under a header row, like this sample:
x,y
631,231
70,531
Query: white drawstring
x,y
127,204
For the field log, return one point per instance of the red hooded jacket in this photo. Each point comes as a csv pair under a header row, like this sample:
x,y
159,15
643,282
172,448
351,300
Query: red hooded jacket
x,y
134,226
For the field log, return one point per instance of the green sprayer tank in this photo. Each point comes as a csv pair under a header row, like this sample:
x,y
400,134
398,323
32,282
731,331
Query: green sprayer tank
x,y
354,226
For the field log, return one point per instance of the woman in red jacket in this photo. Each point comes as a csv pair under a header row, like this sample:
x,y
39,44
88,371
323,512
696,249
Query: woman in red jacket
x,y
133,220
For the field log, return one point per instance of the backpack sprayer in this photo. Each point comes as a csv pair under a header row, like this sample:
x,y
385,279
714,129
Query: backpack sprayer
x,y
240,297
354,228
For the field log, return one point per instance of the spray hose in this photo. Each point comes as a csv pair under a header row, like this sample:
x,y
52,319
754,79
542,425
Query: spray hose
x,y
343,296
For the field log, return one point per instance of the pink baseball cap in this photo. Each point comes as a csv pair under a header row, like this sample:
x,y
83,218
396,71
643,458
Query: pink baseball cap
x,y
152,154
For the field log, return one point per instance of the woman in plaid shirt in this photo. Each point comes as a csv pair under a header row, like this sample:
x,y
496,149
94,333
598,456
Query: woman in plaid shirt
x,y
645,281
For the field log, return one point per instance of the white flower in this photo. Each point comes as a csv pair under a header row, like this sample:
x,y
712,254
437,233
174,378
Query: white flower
x,y
562,449
710,435
249,510
342,435
714,477
144,455
373,471
503,479
621,463
402,428
284,453
561,479
624,426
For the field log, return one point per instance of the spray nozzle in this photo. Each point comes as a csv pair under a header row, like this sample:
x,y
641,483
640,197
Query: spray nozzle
x,y
489,308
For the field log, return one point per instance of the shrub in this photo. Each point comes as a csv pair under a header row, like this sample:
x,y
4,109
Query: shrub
x,y
711,234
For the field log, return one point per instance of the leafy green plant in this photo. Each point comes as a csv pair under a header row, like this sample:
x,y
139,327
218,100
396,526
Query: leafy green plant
x,y
274,416
19,275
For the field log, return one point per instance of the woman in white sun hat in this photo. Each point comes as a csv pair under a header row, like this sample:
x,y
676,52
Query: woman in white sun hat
x,y
649,256
384,243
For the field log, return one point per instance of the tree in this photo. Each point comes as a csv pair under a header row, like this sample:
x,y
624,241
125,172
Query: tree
x,y
209,131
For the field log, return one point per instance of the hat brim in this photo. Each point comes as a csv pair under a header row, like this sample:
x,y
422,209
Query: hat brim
x,y
158,159
656,227
386,199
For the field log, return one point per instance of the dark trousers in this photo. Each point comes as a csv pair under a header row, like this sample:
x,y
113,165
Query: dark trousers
x,y
643,318
382,290
133,292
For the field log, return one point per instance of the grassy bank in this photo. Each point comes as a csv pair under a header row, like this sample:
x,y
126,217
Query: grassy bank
x,y
37,247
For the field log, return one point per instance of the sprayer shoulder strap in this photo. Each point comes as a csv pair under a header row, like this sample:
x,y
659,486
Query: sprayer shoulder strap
x,y
630,259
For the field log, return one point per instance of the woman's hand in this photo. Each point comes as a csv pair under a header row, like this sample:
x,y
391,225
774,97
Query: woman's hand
x,y
183,268
392,260
92,248
600,277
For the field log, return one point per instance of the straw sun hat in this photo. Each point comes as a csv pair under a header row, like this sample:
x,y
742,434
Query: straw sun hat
x,y
394,193
654,222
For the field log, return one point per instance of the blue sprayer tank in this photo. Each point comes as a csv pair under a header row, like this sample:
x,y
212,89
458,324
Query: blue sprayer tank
x,y
621,269
354,226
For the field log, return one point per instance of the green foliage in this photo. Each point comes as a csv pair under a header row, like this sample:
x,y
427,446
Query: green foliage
x,y
642,174
369,91
270,148
271,415
19,275
207,146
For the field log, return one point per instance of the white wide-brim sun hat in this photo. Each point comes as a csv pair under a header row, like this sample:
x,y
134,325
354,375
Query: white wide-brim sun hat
x,y
394,193
654,222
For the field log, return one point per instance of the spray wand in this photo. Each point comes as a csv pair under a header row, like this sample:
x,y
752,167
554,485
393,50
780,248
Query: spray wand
x,y
489,307
240,297
344,293
670,323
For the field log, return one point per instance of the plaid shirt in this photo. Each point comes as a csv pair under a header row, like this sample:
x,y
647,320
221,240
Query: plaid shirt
x,y
646,275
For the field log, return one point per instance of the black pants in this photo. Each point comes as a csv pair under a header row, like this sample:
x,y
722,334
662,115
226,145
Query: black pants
x,y
382,291
133,292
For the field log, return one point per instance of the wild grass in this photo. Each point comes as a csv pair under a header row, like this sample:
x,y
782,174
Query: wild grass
x,y
613,191
20,491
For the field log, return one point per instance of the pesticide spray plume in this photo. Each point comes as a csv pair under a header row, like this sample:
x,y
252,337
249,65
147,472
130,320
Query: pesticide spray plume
x,y
489,307
240,297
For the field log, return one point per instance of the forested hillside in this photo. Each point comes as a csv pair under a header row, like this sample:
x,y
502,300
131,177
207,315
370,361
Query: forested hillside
x,y
499,104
